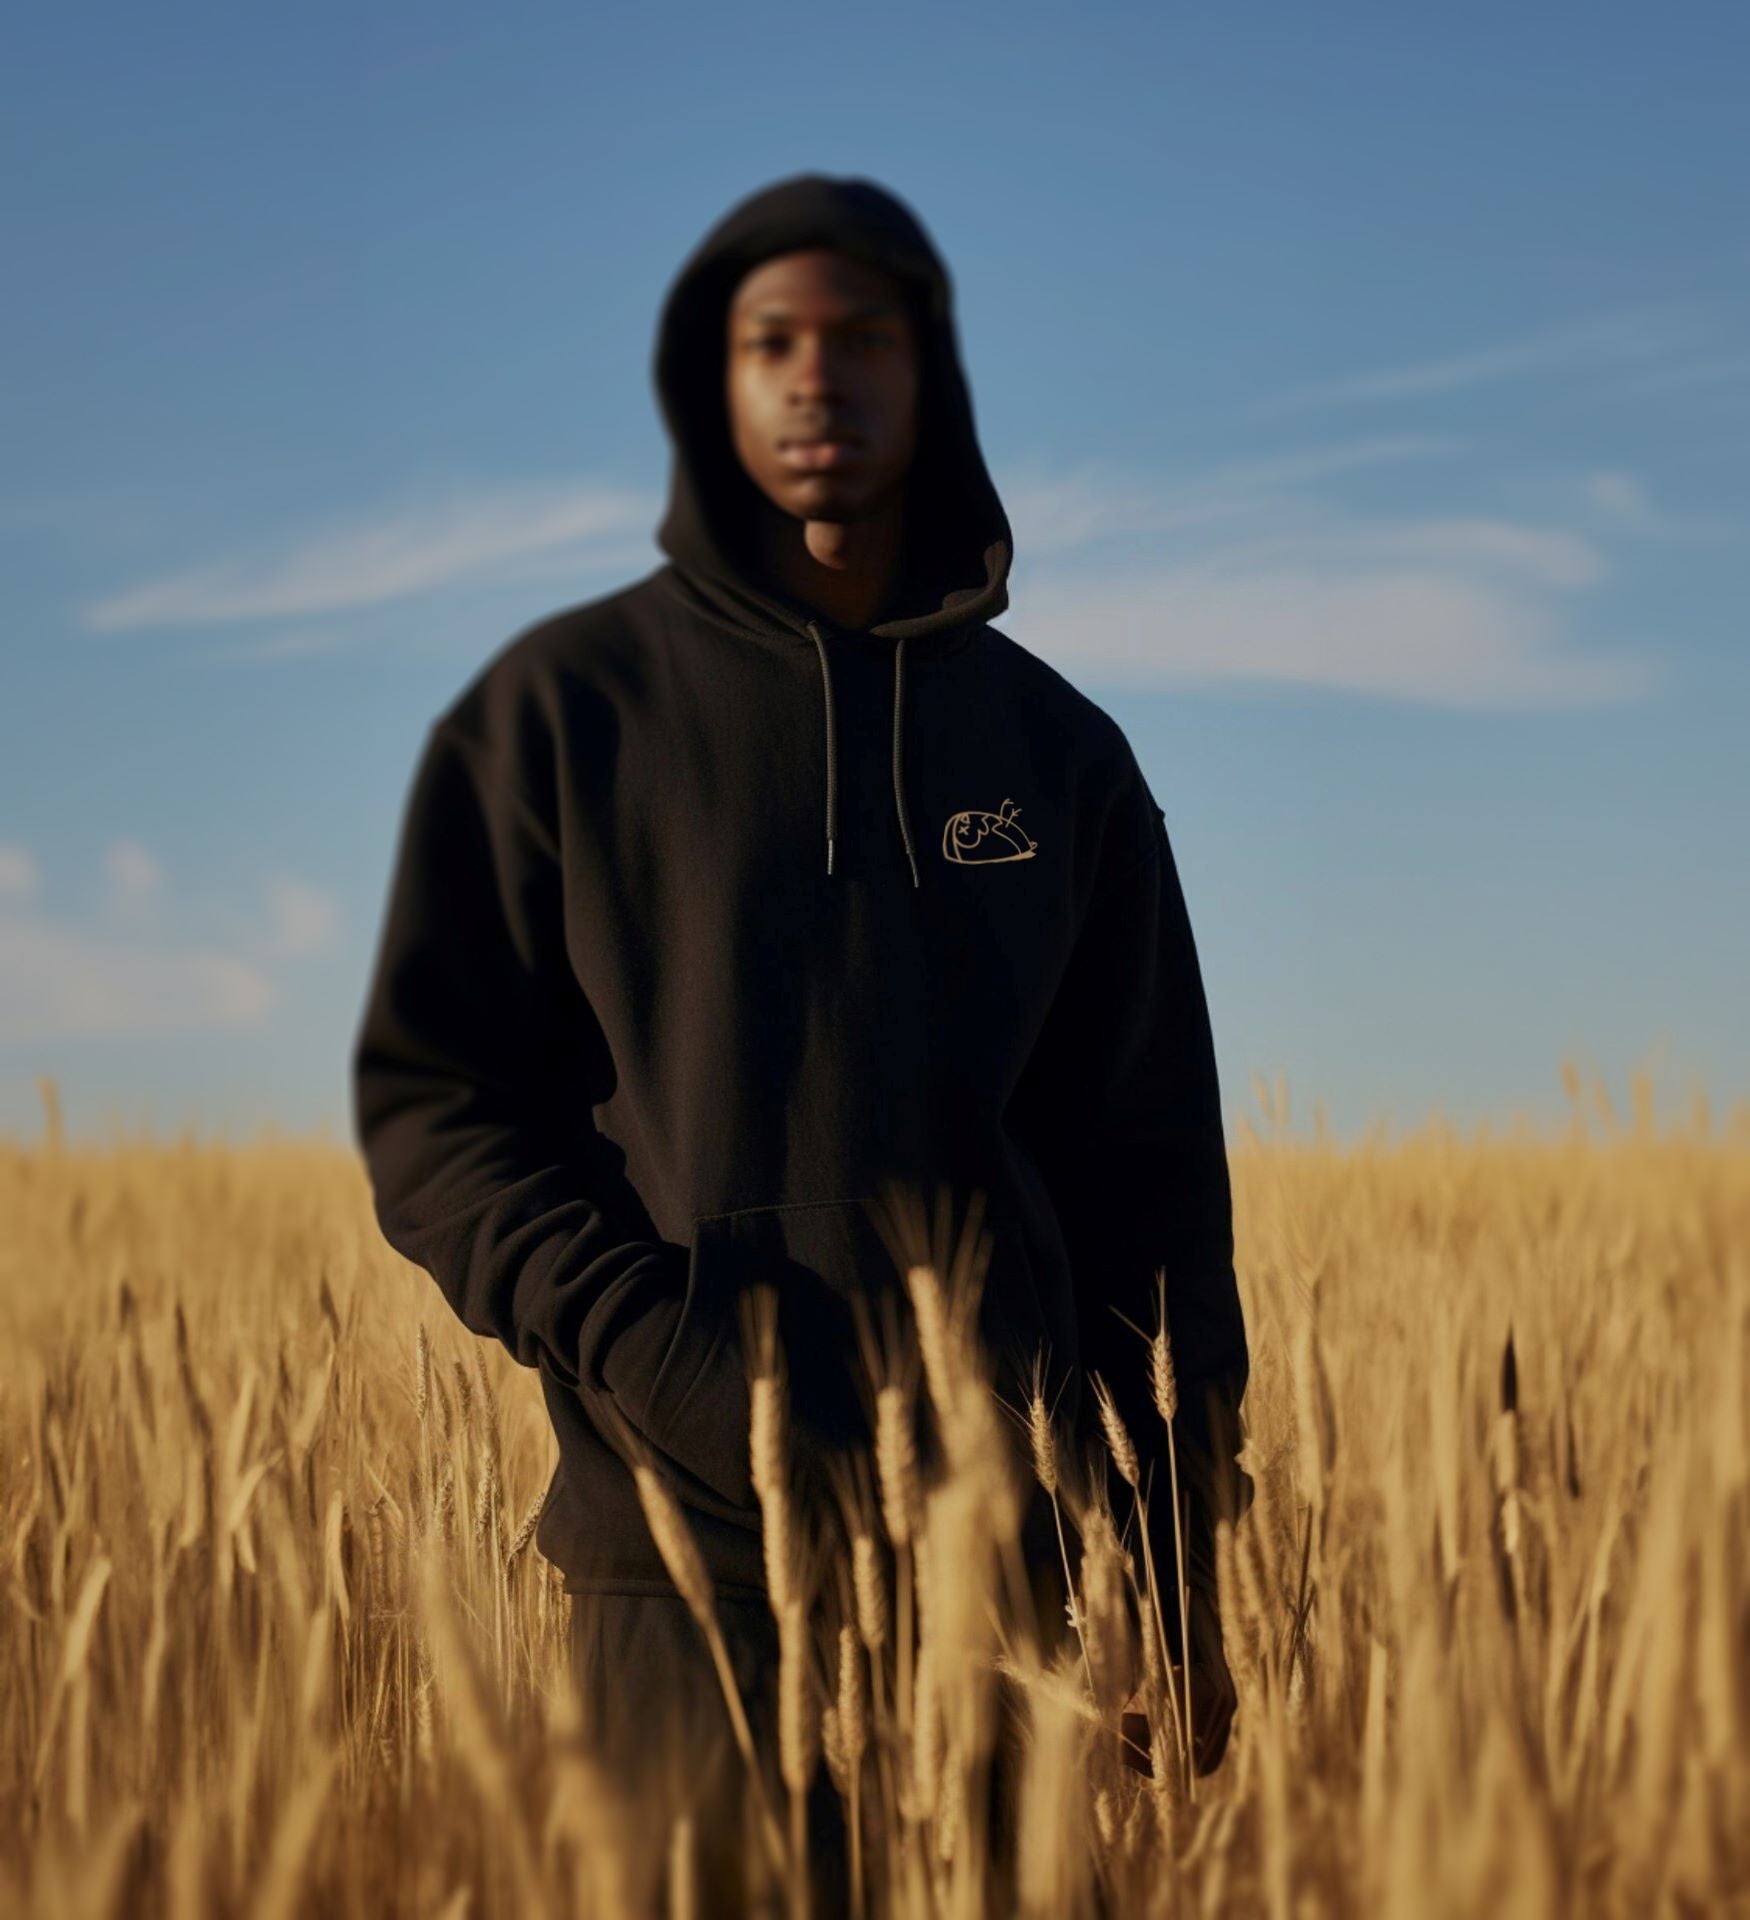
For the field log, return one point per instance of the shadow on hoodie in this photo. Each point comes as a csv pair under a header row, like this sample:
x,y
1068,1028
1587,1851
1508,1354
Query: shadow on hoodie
x,y
724,945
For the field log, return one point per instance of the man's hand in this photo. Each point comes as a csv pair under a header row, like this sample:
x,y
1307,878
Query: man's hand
x,y
1213,1696
678,1376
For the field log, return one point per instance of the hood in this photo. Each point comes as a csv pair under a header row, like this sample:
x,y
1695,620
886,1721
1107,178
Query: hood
x,y
954,573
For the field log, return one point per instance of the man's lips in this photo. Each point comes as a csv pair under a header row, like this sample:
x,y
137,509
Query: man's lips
x,y
815,455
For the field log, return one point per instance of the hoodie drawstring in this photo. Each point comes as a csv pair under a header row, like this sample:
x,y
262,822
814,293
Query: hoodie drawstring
x,y
898,789
832,791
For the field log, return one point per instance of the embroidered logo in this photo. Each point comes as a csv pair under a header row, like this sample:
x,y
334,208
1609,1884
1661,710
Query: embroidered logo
x,y
975,837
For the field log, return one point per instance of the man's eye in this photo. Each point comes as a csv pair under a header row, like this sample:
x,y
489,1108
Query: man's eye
x,y
867,337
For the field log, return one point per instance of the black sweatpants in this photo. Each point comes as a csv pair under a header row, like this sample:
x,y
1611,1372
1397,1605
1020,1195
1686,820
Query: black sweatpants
x,y
654,1707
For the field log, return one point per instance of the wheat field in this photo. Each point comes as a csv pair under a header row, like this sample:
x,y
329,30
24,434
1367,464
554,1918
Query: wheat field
x,y
277,1641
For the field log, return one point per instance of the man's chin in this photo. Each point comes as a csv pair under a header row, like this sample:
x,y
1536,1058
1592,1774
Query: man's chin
x,y
838,498
833,506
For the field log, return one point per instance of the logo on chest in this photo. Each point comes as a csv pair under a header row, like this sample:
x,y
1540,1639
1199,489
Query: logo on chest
x,y
975,838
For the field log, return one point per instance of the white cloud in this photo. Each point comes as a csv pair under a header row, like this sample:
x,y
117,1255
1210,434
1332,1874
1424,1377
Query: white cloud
x,y
119,978
1625,501
1330,543
1105,502
292,643
17,872
1427,634
1249,563
1697,372
464,539
1620,495
134,875
304,918
1453,609
1636,338
59,983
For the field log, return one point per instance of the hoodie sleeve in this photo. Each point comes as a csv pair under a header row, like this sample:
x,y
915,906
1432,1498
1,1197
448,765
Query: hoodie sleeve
x,y
485,1166
1127,1113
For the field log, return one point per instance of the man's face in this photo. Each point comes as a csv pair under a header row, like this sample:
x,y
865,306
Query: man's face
x,y
821,382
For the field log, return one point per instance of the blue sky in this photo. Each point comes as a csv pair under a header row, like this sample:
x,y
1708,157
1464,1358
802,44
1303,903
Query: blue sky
x,y
1370,394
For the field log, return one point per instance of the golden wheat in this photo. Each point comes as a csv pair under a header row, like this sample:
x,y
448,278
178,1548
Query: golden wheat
x,y
273,1644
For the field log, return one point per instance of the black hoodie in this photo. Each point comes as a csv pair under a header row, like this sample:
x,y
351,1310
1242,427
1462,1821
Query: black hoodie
x,y
713,926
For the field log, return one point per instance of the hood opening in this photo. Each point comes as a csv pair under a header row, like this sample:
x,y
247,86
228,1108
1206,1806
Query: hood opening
x,y
953,571
958,549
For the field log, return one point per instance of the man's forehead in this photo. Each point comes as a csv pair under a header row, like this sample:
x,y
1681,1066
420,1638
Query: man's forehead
x,y
777,283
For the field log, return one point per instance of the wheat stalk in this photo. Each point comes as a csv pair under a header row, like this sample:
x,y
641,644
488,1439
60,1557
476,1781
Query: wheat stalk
x,y
767,1445
796,1733
1118,1440
870,1588
1164,1387
526,1526
852,1723
896,1462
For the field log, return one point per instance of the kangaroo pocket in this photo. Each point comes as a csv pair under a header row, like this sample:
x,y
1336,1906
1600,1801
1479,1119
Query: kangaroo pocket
x,y
839,1284
830,1268
842,1299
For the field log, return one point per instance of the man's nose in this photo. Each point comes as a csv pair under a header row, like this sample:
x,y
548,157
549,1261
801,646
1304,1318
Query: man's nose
x,y
818,368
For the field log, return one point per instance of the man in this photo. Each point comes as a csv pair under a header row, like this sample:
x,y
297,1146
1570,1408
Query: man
x,y
731,900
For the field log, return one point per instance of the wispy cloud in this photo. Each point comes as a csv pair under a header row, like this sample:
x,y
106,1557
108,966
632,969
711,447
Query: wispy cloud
x,y
1249,570
291,643
1432,635
1446,609
1102,502
519,534
135,877
1718,375
114,978
465,538
1619,495
1641,337
1335,543
304,918
17,872
63,983
1625,502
